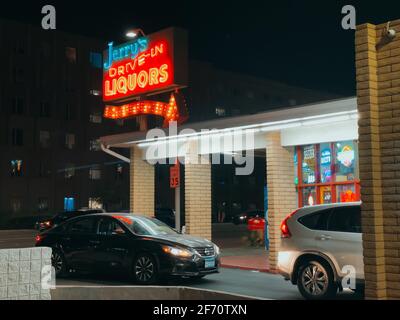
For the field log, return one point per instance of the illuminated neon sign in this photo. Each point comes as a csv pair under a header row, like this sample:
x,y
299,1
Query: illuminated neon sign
x,y
169,111
130,50
145,66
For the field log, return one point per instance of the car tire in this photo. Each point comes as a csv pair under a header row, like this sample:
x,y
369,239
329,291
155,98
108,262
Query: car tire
x,y
144,269
315,281
58,262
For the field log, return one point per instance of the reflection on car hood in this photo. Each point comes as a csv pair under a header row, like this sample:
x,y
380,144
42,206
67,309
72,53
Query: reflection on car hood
x,y
185,240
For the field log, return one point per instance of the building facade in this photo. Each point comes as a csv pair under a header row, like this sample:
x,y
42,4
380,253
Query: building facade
x,y
52,115
51,118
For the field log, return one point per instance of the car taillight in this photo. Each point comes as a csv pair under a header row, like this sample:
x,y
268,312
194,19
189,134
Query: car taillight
x,y
39,238
285,232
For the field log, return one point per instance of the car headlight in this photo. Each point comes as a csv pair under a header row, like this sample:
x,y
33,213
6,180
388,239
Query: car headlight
x,y
216,249
177,252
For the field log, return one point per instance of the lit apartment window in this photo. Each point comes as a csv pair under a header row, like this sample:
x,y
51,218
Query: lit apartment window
x,y
18,105
16,205
94,145
69,171
69,204
44,139
95,173
43,204
17,137
95,118
96,60
69,141
16,168
220,112
70,54
95,203
95,92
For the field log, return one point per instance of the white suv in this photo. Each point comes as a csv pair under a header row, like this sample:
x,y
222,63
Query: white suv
x,y
321,246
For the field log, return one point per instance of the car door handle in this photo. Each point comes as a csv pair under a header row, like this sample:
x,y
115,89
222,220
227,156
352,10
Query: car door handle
x,y
94,241
66,238
323,237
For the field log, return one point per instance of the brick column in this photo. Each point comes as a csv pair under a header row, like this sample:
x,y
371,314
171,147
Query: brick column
x,y
197,194
141,184
378,93
282,197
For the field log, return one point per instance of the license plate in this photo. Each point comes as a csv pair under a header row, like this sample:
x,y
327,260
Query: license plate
x,y
209,263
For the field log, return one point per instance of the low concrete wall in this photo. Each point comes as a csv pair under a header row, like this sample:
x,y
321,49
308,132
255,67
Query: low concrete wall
x,y
140,293
21,273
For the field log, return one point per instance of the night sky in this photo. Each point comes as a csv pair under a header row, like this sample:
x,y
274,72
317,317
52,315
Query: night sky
x,y
297,42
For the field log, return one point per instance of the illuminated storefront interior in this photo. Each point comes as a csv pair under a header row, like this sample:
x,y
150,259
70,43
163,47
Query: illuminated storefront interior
x,y
327,173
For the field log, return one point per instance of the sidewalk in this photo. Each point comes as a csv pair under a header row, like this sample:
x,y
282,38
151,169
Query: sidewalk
x,y
245,258
236,253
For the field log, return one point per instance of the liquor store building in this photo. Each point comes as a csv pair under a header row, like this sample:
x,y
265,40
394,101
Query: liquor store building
x,y
311,157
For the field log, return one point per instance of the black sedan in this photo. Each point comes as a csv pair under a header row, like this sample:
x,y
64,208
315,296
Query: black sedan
x,y
62,217
141,247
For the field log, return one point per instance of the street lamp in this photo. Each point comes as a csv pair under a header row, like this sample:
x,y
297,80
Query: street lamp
x,y
133,33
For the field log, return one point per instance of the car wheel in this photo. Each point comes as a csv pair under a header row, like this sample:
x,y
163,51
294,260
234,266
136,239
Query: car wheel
x,y
145,269
315,281
58,263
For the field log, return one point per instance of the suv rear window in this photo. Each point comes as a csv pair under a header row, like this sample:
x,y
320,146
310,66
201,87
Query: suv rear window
x,y
345,219
317,220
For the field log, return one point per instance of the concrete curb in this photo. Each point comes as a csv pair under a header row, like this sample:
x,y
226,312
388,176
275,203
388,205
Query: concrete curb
x,y
142,293
228,266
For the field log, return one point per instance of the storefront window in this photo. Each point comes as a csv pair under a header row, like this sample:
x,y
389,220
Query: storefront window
x,y
345,161
327,173
309,196
346,193
325,162
326,194
308,164
296,175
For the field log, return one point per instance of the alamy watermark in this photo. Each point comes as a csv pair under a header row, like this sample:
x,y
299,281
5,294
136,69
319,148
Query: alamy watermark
x,y
209,146
49,18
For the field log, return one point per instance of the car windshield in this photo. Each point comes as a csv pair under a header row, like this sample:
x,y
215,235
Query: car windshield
x,y
144,226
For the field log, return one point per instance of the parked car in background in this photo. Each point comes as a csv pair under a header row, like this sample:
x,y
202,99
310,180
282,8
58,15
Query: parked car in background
x,y
142,247
166,215
20,223
39,221
64,216
243,217
319,245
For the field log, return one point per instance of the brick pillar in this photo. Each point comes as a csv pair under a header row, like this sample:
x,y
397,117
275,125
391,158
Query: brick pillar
x,y
378,93
141,184
282,197
197,194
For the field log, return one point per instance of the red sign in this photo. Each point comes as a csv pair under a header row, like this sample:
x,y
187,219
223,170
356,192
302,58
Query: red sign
x,y
174,176
170,111
145,66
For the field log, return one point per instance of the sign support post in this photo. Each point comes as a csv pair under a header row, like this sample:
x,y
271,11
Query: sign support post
x,y
176,184
178,208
